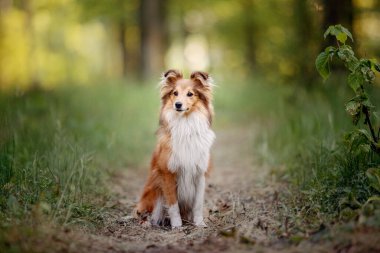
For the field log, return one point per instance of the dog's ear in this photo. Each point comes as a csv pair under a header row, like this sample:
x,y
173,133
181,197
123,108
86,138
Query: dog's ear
x,y
204,85
171,76
202,78
168,80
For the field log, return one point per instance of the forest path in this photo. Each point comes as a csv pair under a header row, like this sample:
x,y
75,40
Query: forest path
x,y
243,213
240,205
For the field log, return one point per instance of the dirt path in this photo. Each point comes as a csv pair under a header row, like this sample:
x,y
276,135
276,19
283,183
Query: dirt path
x,y
239,208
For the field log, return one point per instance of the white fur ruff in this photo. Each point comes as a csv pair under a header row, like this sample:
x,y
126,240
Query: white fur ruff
x,y
191,140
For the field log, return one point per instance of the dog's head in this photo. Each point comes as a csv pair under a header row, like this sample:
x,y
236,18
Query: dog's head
x,y
186,95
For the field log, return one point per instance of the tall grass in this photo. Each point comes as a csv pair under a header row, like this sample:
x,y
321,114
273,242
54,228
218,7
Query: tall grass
x,y
58,147
308,142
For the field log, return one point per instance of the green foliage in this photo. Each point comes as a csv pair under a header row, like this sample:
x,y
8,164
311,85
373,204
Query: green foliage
x,y
335,175
322,63
361,72
339,32
324,156
113,10
57,148
373,175
6,171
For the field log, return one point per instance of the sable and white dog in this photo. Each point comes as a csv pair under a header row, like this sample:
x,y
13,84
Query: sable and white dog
x,y
181,158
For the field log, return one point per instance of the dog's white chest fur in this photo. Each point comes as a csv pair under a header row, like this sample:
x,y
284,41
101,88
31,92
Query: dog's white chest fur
x,y
191,140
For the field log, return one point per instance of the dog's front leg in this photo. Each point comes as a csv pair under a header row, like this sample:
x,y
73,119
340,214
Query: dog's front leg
x,y
169,189
198,203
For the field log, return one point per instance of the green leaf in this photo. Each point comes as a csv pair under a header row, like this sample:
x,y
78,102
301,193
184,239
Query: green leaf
x,y
363,148
373,199
356,118
365,133
376,116
347,32
377,67
328,31
342,37
346,54
373,63
355,80
353,107
366,102
365,68
341,33
360,142
373,175
330,50
322,65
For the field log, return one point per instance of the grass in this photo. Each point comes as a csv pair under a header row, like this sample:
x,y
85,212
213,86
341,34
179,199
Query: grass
x,y
58,147
327,173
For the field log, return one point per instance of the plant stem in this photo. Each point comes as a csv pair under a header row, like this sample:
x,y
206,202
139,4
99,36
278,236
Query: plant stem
x,y
337,42
368,122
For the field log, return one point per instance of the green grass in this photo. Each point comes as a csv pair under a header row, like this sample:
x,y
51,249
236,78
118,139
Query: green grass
x,y
58,147
307,140
242,102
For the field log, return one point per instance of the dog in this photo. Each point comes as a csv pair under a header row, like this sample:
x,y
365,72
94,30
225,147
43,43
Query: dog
x,y
181,159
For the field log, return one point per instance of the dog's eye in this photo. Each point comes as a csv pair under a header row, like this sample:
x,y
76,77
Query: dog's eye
x,y
175,93
189,94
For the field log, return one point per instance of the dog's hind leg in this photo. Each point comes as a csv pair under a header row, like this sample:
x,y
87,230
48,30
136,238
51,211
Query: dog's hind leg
x,y
169,190
149,196
198,202
158,212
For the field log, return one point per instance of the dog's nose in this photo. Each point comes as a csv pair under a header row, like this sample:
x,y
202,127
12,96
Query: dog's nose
x,y
178,105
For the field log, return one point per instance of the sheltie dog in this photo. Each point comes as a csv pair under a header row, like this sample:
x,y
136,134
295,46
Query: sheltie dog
x,y
181,159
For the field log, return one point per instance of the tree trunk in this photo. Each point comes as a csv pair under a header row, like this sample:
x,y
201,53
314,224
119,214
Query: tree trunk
x,y
26,6
249,31
123,47
305,36
153,37
337,12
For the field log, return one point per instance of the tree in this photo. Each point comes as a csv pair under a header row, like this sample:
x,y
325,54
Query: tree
x,y
249,32
117,15
303,24
337,12
153,38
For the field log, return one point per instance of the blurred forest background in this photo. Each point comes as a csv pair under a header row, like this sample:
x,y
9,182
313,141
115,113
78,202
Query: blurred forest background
x,y
47,43
79,103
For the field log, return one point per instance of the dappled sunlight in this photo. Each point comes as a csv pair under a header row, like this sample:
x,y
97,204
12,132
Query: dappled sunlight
x,y
196,52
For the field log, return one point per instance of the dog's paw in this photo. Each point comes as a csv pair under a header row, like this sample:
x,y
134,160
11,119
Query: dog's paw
x,y
176,223
201,224
198,221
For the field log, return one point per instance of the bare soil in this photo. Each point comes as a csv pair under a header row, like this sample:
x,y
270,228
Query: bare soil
x,y
240,205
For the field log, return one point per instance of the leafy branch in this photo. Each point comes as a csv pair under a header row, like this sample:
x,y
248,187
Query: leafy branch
x,y
361,72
